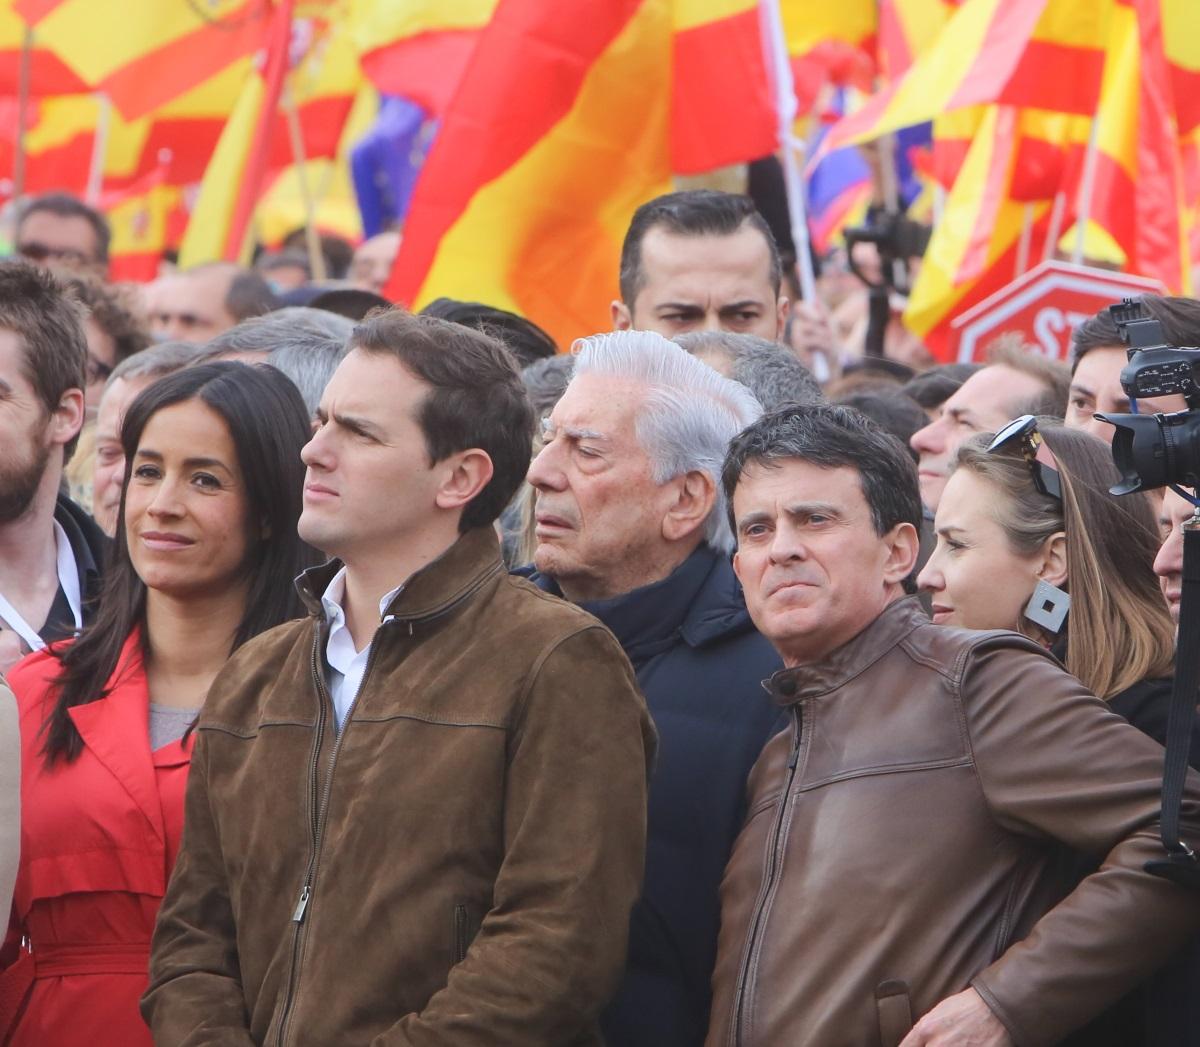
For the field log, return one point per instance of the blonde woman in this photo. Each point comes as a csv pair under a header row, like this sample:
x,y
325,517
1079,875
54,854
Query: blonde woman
x,y
1028,538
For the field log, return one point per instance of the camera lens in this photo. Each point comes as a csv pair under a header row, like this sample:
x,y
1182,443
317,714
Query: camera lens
x,y
1153,450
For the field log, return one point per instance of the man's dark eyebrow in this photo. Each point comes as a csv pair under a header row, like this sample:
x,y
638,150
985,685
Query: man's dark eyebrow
x,y
1079,387
683,307
808,508
733,307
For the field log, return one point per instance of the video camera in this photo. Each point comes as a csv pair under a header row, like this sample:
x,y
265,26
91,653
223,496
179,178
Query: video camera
x,y
896,237
1155,450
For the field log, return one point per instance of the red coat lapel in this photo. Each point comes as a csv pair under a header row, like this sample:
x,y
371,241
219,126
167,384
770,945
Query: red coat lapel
x,y
116,730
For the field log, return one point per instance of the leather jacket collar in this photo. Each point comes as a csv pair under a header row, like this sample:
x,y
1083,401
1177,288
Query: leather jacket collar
x,y
803,682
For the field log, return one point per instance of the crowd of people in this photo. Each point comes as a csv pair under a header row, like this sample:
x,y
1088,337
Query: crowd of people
x,y
407,679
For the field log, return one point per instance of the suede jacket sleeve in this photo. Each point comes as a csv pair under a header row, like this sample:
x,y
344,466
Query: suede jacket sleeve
x,y
1054,762
550,952
195,997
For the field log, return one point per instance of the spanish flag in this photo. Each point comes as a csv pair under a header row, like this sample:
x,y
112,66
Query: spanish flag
x,y
995,51
569,115
48,74
143,53
558,131
220,219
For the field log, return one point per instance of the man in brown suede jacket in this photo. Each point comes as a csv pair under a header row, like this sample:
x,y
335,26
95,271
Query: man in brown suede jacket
x,y
417,817
901,878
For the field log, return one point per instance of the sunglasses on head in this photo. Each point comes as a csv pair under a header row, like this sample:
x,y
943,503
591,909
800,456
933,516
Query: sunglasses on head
x,y
1023,434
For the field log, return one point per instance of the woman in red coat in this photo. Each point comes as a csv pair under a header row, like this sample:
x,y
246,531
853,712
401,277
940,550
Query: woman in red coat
x,y
205,553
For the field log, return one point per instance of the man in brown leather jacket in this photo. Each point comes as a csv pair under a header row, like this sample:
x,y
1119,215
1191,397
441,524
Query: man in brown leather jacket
x,y
418,816
902,856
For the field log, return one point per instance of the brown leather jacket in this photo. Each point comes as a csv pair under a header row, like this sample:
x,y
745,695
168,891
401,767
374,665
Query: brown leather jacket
x,y
456,868
906,839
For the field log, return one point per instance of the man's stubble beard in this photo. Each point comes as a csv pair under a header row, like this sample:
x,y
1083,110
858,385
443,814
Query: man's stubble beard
x,y
19,484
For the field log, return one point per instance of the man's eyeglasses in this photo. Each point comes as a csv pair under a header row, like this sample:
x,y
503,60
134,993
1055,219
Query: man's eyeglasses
x,y
1023,434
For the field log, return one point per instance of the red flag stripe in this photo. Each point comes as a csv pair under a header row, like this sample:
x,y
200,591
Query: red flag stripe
x,y
722,110
33,11
48,74
426,68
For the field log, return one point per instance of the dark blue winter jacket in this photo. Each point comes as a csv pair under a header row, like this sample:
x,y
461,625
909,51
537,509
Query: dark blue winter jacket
x,y
700,663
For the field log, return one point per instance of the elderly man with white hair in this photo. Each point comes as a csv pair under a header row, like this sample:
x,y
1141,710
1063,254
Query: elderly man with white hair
x,y
631,525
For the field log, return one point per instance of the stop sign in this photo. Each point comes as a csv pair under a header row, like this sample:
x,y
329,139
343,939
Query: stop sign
x,y
1045,305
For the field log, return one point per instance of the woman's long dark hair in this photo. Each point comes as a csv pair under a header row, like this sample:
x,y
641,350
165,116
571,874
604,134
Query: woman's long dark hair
x,y
269,425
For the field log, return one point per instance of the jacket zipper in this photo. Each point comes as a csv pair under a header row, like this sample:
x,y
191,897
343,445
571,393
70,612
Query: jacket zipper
x,y
300,912
774,860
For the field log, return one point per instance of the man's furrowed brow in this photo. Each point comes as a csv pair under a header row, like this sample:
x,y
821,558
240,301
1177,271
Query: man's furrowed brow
x,y
358,424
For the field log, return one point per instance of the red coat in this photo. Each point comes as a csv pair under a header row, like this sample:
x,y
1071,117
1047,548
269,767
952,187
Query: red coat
x,y
98,839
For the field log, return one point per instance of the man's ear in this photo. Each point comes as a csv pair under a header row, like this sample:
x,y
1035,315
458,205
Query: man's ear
x,y
903,546
466,474
622,315
67,418
695,494
782,308
1053,568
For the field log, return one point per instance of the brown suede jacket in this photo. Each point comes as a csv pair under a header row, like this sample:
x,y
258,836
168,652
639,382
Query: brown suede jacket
x,y
905,840
456,867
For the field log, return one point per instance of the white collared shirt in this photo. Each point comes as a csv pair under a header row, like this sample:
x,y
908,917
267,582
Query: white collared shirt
x,y
346,665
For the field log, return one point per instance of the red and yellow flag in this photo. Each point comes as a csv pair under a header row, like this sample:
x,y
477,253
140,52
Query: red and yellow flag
x,y
559,130
995,51
48,74
143,53
219,221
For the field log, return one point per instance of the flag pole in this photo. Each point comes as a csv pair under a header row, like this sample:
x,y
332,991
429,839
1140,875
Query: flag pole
x,y
1026,241
95,182
1087,184
277,60
312,241
785,109
23,76
1056,220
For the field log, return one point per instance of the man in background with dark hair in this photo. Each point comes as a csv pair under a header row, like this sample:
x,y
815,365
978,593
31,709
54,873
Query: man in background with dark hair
x,y
1098,355
448,766
61,230
114,331
1014,382
700,260
50,549
522,337
902,874
200,303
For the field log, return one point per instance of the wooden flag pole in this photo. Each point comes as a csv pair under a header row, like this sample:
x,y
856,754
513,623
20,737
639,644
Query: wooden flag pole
x,y
785,108
312,240
23,77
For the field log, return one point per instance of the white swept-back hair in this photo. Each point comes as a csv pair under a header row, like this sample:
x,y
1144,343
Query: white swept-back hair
x,y
689,415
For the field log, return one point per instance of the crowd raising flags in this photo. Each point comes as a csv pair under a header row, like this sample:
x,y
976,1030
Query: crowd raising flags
x,y
209,127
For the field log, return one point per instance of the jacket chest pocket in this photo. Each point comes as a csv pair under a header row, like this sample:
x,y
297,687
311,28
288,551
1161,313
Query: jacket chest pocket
x,y
464,926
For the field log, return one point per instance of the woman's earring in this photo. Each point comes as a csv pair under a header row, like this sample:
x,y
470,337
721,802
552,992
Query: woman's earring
x,y
1048,606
